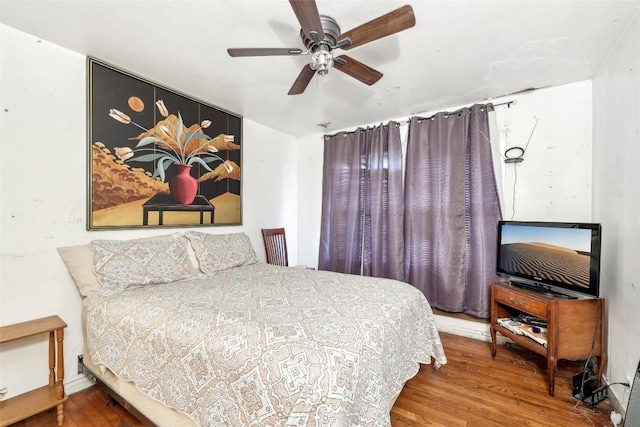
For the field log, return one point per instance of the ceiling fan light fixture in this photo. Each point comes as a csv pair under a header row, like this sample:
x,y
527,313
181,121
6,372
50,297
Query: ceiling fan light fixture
x,y
321,61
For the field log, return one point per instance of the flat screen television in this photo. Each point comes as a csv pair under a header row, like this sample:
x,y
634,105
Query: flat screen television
x,y
557,257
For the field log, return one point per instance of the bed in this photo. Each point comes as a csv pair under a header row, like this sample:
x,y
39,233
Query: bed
x,y
191,329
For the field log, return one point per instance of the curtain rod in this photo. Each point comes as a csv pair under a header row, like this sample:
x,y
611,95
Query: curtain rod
x,y
508,104
407,120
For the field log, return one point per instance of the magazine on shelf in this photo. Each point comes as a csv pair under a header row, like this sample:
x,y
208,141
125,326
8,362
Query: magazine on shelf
x,y
512,324
536,333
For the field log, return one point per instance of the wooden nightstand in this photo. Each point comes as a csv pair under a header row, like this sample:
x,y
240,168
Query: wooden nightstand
x,y
35,401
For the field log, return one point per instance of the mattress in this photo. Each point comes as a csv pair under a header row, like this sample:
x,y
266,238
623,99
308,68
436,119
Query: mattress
x,y
155,411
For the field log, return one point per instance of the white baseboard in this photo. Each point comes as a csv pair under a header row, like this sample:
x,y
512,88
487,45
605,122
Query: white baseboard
x,y
467,328
615,402
77,384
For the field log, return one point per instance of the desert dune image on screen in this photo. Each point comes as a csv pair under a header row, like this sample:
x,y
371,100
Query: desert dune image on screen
x,y
558,254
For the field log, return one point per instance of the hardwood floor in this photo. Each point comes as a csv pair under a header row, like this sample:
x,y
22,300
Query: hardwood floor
x,y
471,390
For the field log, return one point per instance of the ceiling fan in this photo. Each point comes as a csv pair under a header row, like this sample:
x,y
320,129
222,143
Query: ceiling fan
x,y
321,35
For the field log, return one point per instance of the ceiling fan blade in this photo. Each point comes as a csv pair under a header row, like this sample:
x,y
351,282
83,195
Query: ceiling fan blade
x,y
307,13
302,81
385,25
263,51
356,69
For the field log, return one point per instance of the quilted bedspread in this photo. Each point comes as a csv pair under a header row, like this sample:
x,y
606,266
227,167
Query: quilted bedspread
x,y
263,345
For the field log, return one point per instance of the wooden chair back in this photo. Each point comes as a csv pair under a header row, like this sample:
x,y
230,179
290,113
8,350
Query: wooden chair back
x,y
275,245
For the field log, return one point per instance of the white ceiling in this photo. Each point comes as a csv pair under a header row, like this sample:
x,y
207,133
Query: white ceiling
x,y
459,52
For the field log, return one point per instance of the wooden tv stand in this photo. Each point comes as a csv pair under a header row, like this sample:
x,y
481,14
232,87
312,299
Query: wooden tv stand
x,y
572,325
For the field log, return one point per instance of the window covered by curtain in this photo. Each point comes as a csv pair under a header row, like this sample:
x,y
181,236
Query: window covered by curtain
x,y
451,210
362,199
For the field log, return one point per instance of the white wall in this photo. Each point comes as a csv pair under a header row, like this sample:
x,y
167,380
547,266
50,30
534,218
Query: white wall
x,y
616,200
310,157
553,182
43,167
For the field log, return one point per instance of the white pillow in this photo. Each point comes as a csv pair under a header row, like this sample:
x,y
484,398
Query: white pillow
x,y
79,262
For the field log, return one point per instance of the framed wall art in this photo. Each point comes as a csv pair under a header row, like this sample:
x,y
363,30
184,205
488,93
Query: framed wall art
x,y
158,158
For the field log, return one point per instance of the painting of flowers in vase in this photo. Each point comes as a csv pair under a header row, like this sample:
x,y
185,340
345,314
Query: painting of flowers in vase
x,y
157,157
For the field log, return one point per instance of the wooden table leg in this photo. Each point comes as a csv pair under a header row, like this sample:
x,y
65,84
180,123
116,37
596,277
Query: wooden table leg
x,y
52,359
551,366
60,377
494,343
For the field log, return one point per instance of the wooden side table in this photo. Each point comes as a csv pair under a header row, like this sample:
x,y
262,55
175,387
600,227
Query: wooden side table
x,y
575,327
163,202
35,401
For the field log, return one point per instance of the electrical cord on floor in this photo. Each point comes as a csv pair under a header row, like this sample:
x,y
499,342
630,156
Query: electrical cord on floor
x,y
626,384
606,386
593,344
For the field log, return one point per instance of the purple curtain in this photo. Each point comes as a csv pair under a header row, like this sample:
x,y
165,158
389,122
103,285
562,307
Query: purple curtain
x,y
451,210
361,226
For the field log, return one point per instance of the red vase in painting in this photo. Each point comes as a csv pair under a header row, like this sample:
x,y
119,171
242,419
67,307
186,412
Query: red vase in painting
x,y
182,186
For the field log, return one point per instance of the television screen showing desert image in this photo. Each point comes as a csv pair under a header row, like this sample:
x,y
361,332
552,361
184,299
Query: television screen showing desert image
x,y
558,254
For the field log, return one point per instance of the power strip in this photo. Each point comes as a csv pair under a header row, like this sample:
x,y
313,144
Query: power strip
x,y
585,388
